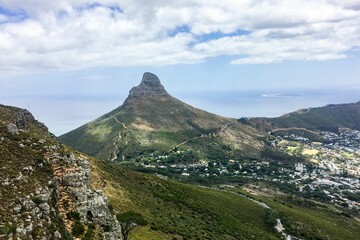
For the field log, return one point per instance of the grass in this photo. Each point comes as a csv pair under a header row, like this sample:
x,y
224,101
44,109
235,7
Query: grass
x,y
310,152
347,155
158,123
176,210
182,211
292,149
309,219
328,118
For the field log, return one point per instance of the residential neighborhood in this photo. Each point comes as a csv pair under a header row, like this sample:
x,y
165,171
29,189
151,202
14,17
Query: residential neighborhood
x,y
330,170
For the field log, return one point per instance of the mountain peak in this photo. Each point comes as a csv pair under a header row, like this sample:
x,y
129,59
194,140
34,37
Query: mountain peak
x,y
150,85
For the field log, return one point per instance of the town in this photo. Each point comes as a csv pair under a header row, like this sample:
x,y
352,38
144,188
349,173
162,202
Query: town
x,y
329,170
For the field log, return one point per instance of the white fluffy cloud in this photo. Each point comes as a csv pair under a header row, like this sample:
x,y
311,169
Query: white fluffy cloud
x,y
67,34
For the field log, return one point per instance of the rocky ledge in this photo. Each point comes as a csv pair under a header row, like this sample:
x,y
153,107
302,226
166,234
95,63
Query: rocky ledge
x,y
45,188
150,85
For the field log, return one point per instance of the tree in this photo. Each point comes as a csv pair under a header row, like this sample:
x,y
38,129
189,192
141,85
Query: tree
x,y
129,221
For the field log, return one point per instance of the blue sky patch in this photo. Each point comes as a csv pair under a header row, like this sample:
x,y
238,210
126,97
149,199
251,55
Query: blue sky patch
x,y
179,29
218,35
13,16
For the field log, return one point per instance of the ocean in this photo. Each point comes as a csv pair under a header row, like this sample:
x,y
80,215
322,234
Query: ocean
x,y
269,103
64,113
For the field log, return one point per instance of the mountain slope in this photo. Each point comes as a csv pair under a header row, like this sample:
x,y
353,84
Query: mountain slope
x,y
182,211
44,187
176,210
152,120
328,118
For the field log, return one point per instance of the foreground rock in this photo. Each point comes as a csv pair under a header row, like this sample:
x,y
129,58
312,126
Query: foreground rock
x,y
45,189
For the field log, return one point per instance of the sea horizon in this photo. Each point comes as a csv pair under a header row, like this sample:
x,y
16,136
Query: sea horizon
x,y
63,113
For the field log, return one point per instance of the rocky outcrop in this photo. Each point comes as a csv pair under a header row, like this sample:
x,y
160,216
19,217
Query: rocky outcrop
x,y
150,85
45,188
22,121
72,178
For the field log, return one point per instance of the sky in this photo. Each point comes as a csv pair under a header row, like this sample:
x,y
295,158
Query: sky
x,y
70,61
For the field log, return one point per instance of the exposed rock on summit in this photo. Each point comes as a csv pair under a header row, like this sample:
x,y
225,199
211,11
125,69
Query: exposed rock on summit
x,y
150,85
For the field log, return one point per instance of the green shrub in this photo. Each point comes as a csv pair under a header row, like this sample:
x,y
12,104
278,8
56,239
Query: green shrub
x,y
106,228
89,234
271,219
73,215
78,229
5,230
8,228
37,200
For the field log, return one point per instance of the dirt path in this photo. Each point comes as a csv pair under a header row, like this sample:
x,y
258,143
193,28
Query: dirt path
x,y
121,123
202,136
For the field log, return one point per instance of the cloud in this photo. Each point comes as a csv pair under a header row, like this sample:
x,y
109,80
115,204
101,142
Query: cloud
x,y
80,34
3,18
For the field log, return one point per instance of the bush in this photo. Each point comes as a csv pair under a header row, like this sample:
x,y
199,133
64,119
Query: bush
x,y
106,228
89,234
111,208
7,229
73,215
271,219
37,200
4,230
78,229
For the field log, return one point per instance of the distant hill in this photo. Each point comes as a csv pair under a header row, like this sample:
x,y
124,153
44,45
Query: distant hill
x,y
152,120
328,118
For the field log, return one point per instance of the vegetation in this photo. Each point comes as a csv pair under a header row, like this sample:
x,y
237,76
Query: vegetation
x,y
77,229
7,229
175,210
16,155
147,124
182,211
307,219
328,118
271,153
129,221
73,215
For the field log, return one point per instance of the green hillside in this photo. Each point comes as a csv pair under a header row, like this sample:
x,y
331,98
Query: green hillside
x,y
181,211
151,120
328,118
176,210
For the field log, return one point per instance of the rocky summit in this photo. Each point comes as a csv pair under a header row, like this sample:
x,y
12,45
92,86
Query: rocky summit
x,y
150,85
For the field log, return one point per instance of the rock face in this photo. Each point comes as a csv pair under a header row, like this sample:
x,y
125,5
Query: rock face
x,y
150,85
74,194
45,188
